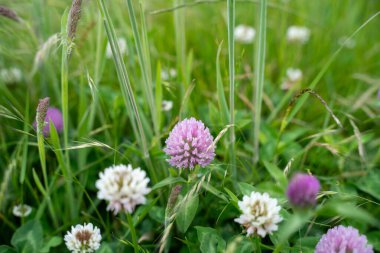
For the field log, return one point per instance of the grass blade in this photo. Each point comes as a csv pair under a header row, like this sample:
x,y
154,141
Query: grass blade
x,y
143,55
259,75
231,70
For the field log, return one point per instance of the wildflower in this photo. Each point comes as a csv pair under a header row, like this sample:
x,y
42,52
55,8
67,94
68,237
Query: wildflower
x,y
293,77
21,210
302,190
347,42
342,239
122,46
8,13
83,238
298,34
55,116
189,144
260,214
11,75
123,187
244,34
168,74
167,105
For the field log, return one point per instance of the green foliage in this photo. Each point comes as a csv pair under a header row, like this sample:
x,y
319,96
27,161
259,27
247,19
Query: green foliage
x,y
112,114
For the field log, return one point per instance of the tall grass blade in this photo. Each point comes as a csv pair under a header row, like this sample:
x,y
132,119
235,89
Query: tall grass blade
x,y
142,49
231,70
222,102
259,76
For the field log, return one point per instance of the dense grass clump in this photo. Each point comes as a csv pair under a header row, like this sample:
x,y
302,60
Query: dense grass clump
x,y
189,126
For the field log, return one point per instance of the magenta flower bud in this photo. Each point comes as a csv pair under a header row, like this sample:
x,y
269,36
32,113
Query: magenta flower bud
x,y
54,115
189,144
302,190
342,239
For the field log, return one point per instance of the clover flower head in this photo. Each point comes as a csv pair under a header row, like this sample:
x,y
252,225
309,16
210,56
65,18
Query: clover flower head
x,y
341,239
167,105
83,238
11,75
55,116
260,214
302,190
21,210
167,74
122,46
244,34
189,144
298,34
123,187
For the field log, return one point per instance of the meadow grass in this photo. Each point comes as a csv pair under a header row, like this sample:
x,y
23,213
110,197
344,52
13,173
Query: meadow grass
x,y
187,52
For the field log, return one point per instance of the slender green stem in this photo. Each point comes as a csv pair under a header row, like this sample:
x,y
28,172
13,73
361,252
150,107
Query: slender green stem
x,y
143,60
259,75
65,110
133,233
231,68
180,39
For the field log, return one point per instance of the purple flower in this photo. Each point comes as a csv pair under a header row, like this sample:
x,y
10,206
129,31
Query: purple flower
x,y
342,239
54,115
302,190
189,144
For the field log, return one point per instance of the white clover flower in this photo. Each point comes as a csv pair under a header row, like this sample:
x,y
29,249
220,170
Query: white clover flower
x,y
293,76
168,74
122,45
298,34
244,34
11,75
21,210
260,214
83,238
167,105
347,42
123,187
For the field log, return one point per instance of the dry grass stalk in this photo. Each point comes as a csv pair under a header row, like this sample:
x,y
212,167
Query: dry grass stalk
x,y
74,16
8,13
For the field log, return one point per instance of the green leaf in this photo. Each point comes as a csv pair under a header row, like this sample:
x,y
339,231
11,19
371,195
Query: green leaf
x,y
28,238
210,240
347,210
373,239
168,181
105,248
234,199
53,242
245,188
277,174
292,225
7,249
240,244
208,187
370,184
186,212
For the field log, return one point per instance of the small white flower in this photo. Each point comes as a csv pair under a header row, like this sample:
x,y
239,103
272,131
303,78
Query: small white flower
x,y
260,214
123,187
168,74
122,45
293,76
347,42
11,75
244,34
298,34
83,238
21,210
167,105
